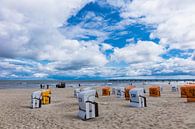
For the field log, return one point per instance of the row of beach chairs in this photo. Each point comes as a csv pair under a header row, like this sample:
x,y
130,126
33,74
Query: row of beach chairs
x,y
88,107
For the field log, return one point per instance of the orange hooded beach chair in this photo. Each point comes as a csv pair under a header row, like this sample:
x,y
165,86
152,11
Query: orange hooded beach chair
x,y
127,89
183,91
106,91
190,93
154,91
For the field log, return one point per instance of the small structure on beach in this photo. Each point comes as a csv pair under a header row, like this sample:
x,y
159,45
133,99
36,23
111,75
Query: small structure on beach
x,y
36,99
106,91
137,98
188,91
46,96
174,88
61,85
127,89
154,91
76,92
88,108
113,90
120,92
183,91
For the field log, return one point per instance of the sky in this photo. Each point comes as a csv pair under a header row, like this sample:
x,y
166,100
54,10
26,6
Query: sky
x,y
97,39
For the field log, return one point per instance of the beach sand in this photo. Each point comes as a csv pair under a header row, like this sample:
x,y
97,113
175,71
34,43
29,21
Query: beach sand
x,y
166,112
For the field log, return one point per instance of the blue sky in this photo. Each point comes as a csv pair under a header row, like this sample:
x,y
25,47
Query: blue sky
x,y
101,39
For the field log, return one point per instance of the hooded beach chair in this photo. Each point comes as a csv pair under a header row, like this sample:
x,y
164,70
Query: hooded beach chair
x,y
106,91
190,93
137,98
183,91
88,108
113,90
46,96
174,88
154,91
76,92
127,89
36,99
120,92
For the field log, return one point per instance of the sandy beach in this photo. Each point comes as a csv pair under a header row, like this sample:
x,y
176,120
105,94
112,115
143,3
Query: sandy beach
x,y
166,112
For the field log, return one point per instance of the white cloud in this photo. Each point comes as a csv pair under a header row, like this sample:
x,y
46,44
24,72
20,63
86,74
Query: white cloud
x,y
40,75
29,29
72,51
174,20
106,46
172,66
193,56
143,51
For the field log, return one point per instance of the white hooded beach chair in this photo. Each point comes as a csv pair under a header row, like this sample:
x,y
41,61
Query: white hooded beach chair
x,y
137,98
174,88
76,92
36,99
113,90
88,108
120,92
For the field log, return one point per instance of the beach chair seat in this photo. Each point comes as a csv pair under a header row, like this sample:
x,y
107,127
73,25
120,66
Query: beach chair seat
x,y
76,92
61,85
36,99
113,90
88,108
190,93
137,98
174,88
154,91
183,91
46,96
127,89
106,91
120,92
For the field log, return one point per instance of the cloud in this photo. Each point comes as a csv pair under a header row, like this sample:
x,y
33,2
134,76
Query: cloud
x,y
72,51
172,66
143,51
14,68
106,46
30,30
174,20
193,56
40,75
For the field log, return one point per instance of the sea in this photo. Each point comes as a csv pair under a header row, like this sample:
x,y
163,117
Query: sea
x,y
6,84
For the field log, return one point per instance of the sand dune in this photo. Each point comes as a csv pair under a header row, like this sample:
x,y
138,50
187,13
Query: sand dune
x,y
167,112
